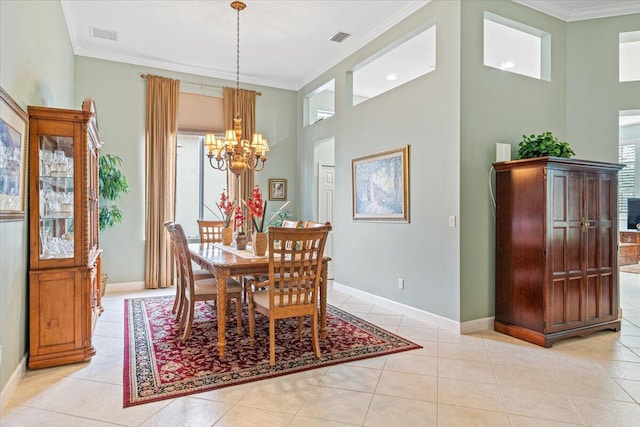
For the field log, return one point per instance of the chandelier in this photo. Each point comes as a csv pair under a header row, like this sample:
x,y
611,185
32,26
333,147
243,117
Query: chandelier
x,y
233,152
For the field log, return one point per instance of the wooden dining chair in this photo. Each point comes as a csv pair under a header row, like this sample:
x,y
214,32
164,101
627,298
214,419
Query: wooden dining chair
x,y
198,274
199,290
210,231
295,265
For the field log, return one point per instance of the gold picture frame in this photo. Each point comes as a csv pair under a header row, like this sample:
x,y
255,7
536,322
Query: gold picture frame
x,y
381,186
277,189
14,128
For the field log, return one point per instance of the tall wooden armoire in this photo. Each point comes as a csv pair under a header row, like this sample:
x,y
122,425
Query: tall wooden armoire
x,y
556,248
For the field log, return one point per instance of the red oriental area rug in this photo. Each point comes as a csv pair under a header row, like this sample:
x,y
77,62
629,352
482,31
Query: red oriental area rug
x,y
159,365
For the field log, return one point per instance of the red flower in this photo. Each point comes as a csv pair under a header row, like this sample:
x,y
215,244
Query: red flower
x,y
239,219
226,207
256,209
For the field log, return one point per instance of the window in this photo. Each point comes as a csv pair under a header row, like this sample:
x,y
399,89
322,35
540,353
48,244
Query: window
x,y
198,186
516,48
401,62
629,56
320,104
629,148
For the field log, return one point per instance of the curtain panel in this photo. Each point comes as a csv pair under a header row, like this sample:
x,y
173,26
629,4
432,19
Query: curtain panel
x,y
160,177
240,187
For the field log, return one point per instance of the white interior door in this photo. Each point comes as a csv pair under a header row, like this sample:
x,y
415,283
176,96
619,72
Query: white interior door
x,y
326,191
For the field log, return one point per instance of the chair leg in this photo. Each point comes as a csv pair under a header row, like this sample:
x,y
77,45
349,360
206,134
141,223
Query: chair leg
x,y
182,314
252,319
272,341
314,335
300,320
239,314
176,301
190,313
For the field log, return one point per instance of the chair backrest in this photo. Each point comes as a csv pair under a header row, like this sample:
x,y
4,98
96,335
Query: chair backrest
x,y
295,263
288,223
183,259
210,231
311,224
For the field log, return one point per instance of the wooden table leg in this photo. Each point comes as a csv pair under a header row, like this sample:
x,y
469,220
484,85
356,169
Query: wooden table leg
x,y
221,277
323,301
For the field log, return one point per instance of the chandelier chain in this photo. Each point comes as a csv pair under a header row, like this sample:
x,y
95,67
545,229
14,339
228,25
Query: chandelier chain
x,y
237,62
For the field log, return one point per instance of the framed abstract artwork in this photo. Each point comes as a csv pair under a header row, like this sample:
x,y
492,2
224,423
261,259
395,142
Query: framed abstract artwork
x,y
381,186
13,158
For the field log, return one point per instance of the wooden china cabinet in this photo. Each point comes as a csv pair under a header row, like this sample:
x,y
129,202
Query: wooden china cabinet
x,y
556,248
64,260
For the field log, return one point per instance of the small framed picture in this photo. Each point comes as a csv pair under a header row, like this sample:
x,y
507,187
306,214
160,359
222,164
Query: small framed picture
x,y
277,189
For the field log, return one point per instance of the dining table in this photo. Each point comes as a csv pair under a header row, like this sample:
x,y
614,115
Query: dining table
x,y
227,261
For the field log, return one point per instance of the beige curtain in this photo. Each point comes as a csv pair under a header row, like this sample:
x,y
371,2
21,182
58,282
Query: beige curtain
x,y
160,177
241,186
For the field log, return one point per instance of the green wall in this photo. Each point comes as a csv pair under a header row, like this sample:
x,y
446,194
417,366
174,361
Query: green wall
x,y
424,113
36,68
594,94
119,93
497,106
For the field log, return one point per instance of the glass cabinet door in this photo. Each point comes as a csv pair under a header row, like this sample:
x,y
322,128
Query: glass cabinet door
x,y
56,197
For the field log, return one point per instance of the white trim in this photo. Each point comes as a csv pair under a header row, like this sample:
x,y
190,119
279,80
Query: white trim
x,y
425,316
477,325
468,327
12,384
124,287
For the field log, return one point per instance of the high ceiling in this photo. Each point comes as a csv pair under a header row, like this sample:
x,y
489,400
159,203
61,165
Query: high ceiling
x,y
283,43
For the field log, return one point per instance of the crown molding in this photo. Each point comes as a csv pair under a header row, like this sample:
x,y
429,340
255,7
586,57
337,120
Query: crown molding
x,y
570,14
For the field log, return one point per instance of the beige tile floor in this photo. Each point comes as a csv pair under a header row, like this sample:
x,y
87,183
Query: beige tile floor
x,y
484,379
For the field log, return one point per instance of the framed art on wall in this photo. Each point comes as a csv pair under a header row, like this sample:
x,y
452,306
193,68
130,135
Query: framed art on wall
x,y
13,158
277,189
381,186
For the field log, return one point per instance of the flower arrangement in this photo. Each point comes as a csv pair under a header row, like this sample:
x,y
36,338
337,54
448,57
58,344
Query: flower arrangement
x,y
225,207
238,220
257,208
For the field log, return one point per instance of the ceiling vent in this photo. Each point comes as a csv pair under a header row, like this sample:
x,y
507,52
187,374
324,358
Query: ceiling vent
x,y
339,37
101,33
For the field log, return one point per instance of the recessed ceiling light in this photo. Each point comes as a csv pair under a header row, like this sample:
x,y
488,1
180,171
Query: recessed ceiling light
x,y
392,77
507,65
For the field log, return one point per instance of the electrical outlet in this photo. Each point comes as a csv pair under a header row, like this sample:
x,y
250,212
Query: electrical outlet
x,y
400,283
452,221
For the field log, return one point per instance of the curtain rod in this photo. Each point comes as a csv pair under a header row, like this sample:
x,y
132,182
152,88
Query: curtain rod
x,y
144,76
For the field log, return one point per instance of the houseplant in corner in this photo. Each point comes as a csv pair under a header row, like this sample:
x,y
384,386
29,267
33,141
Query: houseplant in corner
x,y
543,145
112,184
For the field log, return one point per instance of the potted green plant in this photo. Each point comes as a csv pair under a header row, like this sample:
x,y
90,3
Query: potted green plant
x,y
543,145
112,184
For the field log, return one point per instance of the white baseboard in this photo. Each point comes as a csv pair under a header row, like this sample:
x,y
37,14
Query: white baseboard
x,y
12,384
477,325
113,288
425,316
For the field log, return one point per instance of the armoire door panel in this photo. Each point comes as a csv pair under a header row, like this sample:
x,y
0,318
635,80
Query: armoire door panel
x,y
558,295
574,197
574,250
557,257
559,194
573,301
